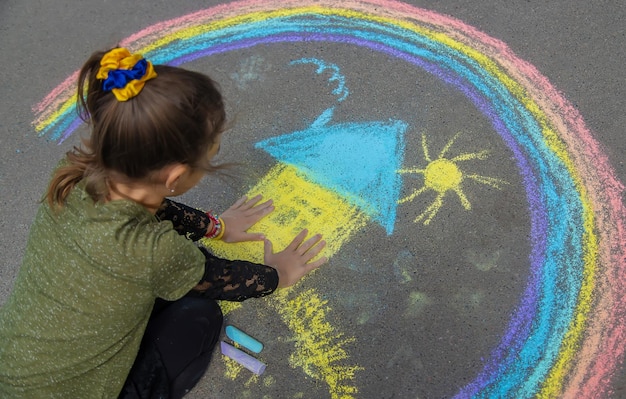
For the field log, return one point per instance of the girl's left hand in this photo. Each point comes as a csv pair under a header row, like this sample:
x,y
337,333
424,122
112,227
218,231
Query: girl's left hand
x,y
241,216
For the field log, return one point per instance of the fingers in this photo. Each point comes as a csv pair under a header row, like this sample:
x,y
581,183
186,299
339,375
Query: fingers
x,y
250,203
251,206
296,260
310,247
246,203
268,247
314,251
253,215
307,266
295,243
263,208
314,265
308,244
239,202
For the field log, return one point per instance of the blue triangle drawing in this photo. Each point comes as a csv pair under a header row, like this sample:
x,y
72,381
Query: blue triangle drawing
x,y
358,160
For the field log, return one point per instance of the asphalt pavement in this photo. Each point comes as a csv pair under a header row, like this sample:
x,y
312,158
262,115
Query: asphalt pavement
x,y
464,160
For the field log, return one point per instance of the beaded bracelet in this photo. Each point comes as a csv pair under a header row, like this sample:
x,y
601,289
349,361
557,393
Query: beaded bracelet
x,y
222,229
217,232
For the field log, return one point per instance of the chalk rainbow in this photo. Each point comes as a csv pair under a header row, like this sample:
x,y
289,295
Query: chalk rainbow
x,y
566,337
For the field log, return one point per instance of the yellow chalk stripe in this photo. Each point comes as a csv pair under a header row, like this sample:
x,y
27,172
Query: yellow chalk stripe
x,y
53,117
319,349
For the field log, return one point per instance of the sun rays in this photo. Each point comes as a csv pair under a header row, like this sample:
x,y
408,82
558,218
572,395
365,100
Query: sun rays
x,y
443,175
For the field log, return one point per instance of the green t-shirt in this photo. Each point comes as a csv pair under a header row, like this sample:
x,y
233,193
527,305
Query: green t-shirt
x,y
74,321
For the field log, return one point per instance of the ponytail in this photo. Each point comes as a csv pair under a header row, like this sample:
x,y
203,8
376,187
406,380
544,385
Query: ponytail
x,y
78,166
81,163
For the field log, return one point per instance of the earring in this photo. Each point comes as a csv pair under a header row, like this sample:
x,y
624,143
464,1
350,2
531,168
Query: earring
x,y
172,190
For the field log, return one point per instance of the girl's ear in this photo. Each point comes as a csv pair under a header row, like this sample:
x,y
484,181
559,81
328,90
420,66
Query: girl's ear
x,y
173,174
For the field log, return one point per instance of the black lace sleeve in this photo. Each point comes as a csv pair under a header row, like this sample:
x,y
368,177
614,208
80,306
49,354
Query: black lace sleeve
x,y
187,221
235,280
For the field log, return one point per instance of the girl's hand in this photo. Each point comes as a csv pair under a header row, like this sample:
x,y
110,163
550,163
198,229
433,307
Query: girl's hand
x,y
241,216
292,263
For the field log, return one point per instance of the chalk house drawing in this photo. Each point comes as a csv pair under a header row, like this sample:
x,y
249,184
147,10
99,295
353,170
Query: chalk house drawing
x,y
325,182
565,338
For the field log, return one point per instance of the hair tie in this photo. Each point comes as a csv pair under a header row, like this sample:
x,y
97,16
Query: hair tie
x,y
124,73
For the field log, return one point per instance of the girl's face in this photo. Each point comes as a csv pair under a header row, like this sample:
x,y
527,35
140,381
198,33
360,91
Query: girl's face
x,y
193,177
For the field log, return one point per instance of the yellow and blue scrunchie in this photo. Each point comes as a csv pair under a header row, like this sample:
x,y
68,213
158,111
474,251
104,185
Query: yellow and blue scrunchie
x,y
124,73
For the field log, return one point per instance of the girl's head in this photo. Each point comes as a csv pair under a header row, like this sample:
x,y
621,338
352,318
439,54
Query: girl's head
x,y
157,117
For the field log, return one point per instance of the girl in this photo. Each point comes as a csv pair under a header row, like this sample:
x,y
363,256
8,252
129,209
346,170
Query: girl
x,y
113,298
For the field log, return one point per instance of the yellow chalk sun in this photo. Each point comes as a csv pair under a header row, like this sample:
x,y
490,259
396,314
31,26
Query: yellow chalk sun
x,y
443,175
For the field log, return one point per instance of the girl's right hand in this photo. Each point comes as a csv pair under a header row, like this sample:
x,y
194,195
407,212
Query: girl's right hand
x,y
292,263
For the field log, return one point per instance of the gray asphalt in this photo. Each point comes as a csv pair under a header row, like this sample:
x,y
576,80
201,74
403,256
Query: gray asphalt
x,y
417,313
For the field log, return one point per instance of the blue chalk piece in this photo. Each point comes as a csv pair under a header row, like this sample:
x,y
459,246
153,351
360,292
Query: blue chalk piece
x,y
243,339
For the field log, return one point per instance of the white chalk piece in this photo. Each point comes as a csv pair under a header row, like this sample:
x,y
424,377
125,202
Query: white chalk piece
x,y
243,339
241,357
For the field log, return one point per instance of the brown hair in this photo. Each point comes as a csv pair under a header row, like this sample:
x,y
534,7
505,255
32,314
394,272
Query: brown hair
x,y
174,119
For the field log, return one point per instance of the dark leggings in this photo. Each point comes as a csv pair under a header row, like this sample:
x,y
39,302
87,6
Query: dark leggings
x,y
176,349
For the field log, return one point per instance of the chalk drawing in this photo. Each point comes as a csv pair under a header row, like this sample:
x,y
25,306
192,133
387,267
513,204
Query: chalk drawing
x,y
341,90
443,175
335,192
566,336
251,69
